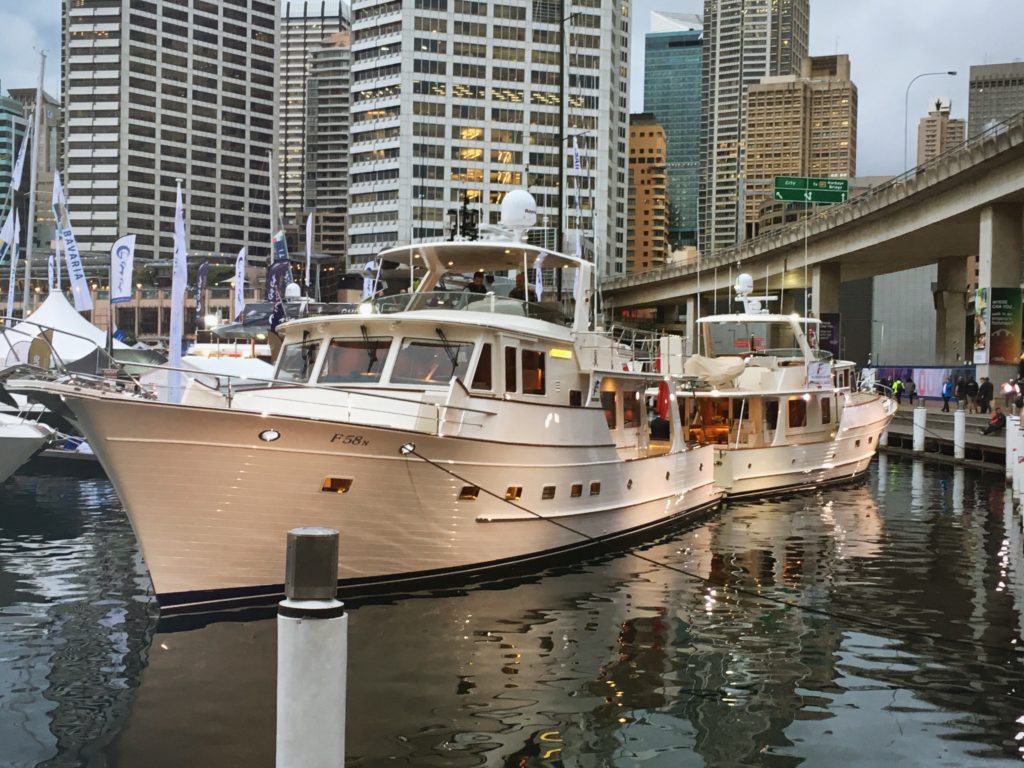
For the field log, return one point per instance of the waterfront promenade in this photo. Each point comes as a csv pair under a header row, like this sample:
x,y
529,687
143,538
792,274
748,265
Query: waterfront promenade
x,y
984,451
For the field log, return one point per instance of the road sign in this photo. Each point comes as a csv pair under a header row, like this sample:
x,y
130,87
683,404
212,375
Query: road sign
x,y
803,189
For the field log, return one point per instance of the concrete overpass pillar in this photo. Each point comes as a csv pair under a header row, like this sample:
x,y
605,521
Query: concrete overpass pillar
x,y
690,342
950,309
825,289
1000,239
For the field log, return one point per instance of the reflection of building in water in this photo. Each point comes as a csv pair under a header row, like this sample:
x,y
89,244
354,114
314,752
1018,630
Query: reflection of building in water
x,y
76,638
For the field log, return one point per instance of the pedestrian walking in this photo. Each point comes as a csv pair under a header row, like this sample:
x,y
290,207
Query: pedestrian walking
x,y
947,393
985,394
971,392
897,390
911,390
960,393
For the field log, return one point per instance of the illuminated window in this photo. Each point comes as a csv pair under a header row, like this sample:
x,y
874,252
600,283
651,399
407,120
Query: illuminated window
x,y
336,485
469,493
514,493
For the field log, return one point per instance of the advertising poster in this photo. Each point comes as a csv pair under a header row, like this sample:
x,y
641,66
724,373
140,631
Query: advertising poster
x,y
829,333
981,326
1004,326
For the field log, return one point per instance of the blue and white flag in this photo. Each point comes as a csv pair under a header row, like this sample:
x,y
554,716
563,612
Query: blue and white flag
x,y
369,283
538,282
279,246
309,246
55,259
179,280
204,269
239,307
76,271
122,262
8,238
14,266
19,164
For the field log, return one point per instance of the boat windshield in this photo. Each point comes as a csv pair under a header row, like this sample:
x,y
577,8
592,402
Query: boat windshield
x,y
472,302
355,361
431,361
752,338
297,360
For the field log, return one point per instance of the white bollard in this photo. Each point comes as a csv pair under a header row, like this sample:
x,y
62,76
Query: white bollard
x,y
1012,433
312,654
959,433
920,418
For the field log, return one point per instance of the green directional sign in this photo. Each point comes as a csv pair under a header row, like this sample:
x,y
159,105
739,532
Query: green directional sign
x,y
804,189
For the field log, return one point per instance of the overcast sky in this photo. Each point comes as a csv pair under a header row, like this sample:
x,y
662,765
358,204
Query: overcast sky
x,y
888,41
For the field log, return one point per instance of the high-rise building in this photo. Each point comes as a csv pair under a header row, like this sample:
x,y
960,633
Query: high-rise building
x,y
938,132
672,72
995,93
48,158
647,244
160,90
802,125
327,141
469,99
744,41
12,130
306,26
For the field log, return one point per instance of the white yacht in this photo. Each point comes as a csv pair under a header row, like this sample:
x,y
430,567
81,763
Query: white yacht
x,y
441,432
20,440
780,413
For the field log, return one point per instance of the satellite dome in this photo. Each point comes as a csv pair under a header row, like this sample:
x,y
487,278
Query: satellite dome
x,y
292,291
518,210
744,284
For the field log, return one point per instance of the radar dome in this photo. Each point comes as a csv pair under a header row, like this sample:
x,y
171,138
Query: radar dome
x,y
292,291
744,283
518,210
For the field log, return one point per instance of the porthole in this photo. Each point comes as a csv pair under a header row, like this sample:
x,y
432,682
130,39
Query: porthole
x,y
548,492
514,493
269,435
595,489
576,491
469,493
629,484
857,444
667,475
336,485
870,440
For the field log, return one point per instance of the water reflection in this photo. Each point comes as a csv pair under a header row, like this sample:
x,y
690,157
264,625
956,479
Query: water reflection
x,y
850,626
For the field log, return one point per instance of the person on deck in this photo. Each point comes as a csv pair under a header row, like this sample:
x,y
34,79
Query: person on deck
x,y
520,291
477,286
996,423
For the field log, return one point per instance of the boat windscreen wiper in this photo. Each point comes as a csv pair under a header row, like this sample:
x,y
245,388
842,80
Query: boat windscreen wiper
x,y
449,349
371,349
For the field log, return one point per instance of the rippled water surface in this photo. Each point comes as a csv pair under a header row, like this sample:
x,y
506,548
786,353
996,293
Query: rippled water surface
x,y
873,624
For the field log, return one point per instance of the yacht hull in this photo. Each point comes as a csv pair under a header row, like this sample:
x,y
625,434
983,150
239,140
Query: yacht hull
x,y
19,442
211,501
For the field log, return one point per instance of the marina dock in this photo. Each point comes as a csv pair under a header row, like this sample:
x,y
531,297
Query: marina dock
x,y
981,451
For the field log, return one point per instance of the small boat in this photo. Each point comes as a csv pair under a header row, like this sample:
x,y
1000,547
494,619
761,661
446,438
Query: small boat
x,y
780,413
20,440
442,432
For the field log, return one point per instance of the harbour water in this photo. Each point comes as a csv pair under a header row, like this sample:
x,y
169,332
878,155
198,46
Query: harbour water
x,y
877,623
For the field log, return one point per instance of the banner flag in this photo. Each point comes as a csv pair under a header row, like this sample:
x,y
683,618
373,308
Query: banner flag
x,y
179,280
309,246
277,279
279,246
122,264
49,274
538,282
7,237
19,164
76,271
204,269
56,260
239,307
14,266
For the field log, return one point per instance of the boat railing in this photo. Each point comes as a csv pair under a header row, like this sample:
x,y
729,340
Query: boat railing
x,y
468,301
638,349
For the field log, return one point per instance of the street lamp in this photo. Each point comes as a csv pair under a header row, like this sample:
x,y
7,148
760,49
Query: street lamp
x,y
881,342
906,110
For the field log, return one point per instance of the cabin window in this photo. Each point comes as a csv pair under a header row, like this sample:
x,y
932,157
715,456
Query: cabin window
x,y
469,493
431,361
548,492
533,372
631,408
355,360
514,493
740,410
826,410
482,378
608,404
771,414
297,361
797,412
510,369
595,489
576,491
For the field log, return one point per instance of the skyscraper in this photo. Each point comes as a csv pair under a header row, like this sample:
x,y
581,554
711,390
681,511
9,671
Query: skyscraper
x,y
744,41
938,132
327,141
672,72
802,125
159,90
996,92
648,203
471,100
306,26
